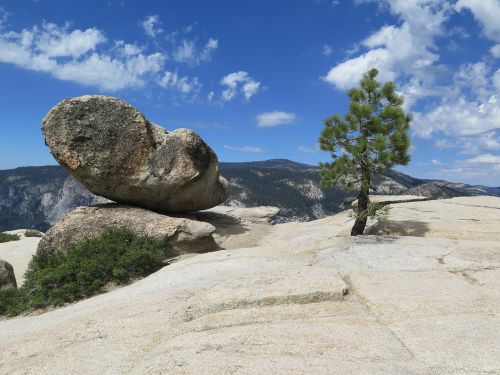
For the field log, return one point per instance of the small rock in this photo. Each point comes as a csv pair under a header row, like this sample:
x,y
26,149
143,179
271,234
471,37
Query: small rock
x,y
115,152
7,277
185,235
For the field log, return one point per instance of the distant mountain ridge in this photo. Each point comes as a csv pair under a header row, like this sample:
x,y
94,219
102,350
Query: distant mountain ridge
x,y
37,197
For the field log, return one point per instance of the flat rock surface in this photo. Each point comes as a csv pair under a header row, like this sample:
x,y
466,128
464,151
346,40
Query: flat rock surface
x,y
426,303
18,253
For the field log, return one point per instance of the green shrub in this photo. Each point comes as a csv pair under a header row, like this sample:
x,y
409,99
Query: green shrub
x,y
6,237
84,269
33,233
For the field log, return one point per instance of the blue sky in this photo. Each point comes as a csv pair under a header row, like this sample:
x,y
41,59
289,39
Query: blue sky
x,y
257,78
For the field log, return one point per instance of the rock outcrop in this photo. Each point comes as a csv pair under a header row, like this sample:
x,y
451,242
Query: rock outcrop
x,y
115,152
185,235
277,303
7,277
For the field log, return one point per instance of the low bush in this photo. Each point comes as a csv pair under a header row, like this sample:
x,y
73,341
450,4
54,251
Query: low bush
x,y
33,233
6,237
116,256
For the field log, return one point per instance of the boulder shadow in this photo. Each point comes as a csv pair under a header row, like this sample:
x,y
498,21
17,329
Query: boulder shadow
x,y
224,224
412,228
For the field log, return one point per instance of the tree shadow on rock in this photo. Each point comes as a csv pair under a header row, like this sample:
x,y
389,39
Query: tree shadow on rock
x,y
413,228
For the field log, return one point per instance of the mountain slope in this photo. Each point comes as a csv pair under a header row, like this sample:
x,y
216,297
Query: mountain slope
x,y
37,197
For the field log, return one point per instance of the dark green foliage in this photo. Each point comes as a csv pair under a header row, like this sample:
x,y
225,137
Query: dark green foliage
x,y
33,233
6,237
370,139
54,279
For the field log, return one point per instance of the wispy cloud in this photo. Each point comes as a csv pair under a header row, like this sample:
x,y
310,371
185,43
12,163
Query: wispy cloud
x,y
4,15
182,84
88,57
443,144
75,55
275,118
249,149
327,50
188,52
239,83
485,159
309,150
152,25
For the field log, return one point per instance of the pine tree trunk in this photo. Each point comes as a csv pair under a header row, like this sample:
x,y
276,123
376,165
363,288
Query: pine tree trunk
x,y
363,201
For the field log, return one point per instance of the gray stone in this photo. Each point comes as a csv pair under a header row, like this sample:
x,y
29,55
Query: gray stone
x,y
7,277
185,235
115,152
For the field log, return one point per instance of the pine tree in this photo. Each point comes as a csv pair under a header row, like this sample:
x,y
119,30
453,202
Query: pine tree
x,y
370,139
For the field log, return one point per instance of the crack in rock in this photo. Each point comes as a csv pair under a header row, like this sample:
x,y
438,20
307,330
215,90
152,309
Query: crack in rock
x,y
298,299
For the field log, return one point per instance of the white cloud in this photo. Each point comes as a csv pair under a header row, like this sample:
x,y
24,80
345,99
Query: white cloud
x,y
127,49
473,110
275,118
495,51
348,73
487,12
485,159
239,82
188,52
54,41
185,52
210,46
249,149
465,106
183,85
486,142
458,117
250,88
404,50
72,55
152,26
436,162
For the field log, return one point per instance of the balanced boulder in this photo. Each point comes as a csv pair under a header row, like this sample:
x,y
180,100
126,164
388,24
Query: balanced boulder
x,y
115,152
7,276
184,235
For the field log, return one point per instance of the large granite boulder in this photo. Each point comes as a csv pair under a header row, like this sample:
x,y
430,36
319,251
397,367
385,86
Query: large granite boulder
x,y
185,235
7,277
115,152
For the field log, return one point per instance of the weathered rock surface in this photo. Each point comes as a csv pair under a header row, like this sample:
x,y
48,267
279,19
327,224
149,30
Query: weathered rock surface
x,y
115,152
185,235
422,304
7,276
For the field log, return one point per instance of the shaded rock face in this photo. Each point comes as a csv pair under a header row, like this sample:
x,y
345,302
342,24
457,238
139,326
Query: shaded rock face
x,y
115,152
185,235
7,277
